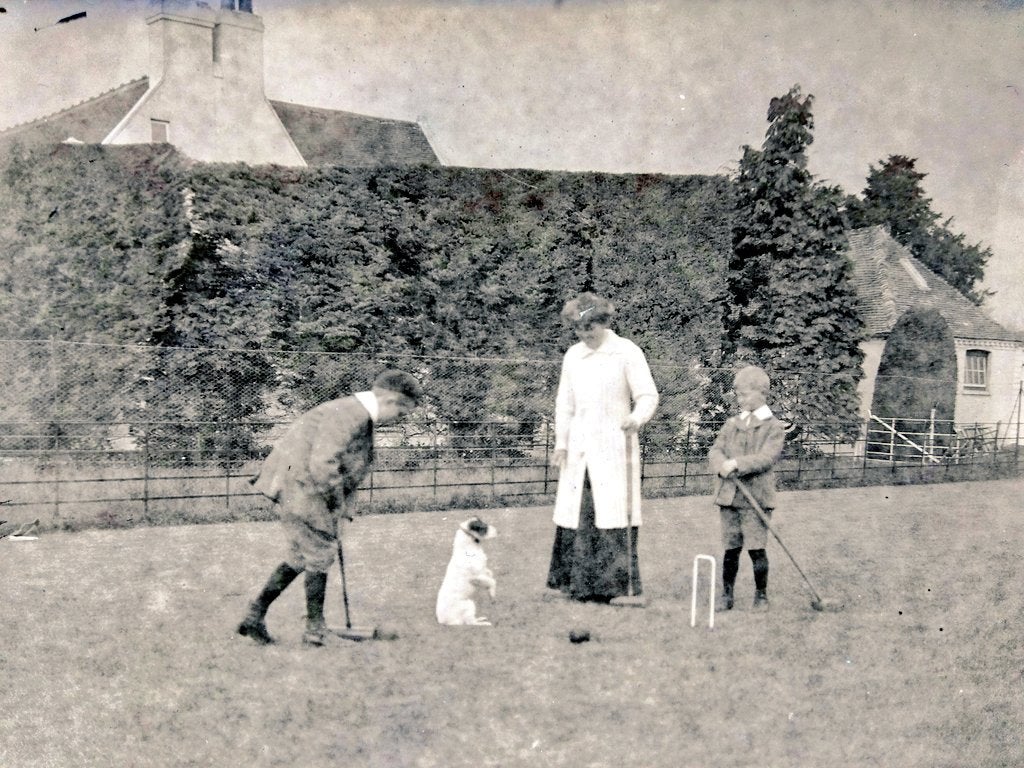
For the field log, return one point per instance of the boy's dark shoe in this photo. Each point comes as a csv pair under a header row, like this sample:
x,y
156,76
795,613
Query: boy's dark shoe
x,y
760,600
725,600
252,626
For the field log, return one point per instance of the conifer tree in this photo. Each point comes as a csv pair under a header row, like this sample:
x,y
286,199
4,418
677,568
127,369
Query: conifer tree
x,y
894,198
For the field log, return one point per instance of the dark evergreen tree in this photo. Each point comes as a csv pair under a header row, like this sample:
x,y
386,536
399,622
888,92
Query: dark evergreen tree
x,y
792,307
894,198
915,389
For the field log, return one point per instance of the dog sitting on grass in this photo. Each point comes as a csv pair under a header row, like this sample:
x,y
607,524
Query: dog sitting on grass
x,y
467,572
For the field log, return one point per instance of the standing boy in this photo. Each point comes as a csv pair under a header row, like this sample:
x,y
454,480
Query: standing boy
x,y
747,448
312,474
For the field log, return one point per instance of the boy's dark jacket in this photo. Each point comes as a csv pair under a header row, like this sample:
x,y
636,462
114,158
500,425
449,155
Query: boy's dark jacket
x,y
756,449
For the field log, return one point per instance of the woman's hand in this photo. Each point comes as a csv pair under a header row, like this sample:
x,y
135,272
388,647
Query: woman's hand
x,y
558,458
630,424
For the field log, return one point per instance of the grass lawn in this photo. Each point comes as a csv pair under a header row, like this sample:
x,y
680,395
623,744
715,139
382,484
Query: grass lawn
x,y
117,647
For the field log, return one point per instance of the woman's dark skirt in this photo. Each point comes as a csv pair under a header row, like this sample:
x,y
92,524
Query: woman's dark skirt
x,y
589,563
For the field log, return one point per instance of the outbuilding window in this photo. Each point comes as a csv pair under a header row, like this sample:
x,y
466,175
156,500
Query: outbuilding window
x,y
976,370
159,131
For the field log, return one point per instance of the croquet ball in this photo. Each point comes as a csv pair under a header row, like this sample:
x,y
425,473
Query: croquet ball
x,y
385,633
579,635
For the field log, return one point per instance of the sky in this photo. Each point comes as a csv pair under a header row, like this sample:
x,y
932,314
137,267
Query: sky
x,y
677,86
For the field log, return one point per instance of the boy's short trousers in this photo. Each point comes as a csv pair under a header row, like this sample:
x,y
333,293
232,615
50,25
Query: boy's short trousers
x,y
309,528
741,527
309,549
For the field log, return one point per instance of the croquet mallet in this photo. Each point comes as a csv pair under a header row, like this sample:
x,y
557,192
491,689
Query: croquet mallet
x,y
818,603
630,599
355,633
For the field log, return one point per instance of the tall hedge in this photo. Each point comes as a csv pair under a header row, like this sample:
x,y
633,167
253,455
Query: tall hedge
x,y
87,235
132,245
463,262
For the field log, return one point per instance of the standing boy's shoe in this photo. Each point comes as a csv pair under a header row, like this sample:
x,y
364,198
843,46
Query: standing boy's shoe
x,y
252,626
760,600
725,600
315,634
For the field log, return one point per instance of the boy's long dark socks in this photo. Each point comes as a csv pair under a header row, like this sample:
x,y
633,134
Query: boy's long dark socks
x,y
283,575
730,566
316,587
759,560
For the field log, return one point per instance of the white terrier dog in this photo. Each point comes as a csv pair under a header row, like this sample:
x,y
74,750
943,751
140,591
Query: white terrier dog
x,y
467,571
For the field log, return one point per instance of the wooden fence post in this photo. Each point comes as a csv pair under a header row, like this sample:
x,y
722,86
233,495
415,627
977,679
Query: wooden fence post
x,y
227,470
547,453
995,445
867,442
494,457
1016,444
145,473
433,434
370,505
56,475
892,445
686,453
931,436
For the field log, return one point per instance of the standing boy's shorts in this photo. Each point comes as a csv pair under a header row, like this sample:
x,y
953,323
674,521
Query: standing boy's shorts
x,y
741,527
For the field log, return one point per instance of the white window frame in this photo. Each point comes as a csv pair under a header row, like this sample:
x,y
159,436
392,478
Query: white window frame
x,y
153,125
976,370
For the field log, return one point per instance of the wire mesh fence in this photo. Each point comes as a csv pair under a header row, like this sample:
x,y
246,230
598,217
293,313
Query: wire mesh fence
x,y
113,435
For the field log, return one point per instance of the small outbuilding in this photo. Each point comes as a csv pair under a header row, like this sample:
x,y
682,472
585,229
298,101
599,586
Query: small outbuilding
x,y
891,283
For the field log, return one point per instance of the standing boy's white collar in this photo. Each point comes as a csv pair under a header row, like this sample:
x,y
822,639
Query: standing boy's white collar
x,y
762,413
369,402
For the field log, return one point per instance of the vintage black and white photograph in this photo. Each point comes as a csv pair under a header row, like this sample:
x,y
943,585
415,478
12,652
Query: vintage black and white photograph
x,y
549,383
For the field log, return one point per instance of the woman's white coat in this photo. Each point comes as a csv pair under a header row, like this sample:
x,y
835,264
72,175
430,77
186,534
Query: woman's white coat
x,y
598,390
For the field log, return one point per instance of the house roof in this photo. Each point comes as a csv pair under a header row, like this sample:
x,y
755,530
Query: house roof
x,y
333,137
323,136
889,281
88,121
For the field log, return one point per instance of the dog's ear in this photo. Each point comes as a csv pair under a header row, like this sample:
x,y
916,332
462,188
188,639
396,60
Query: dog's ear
x,y
478,529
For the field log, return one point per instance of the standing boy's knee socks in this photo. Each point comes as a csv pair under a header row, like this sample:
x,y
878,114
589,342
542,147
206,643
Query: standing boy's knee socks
x,y
316,587
276,584
759,561
730,566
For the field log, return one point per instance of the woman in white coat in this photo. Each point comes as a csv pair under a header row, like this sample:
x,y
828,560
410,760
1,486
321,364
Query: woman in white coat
x,y
605,394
